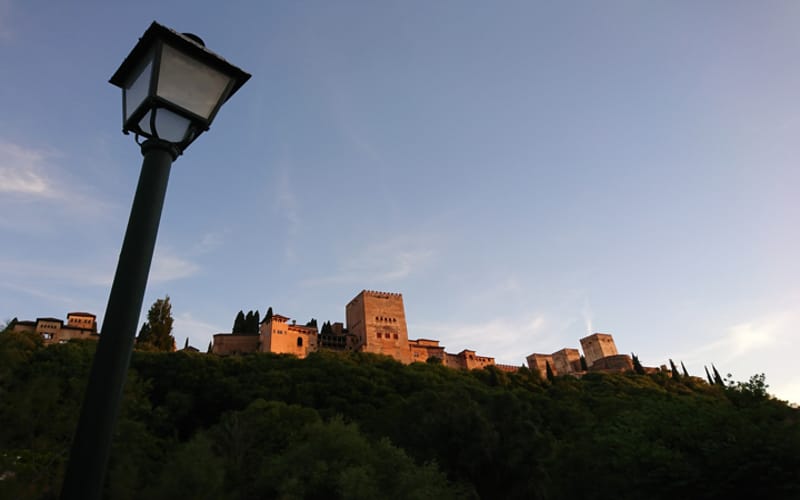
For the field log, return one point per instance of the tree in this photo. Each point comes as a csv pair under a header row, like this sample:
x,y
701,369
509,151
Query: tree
x,y
312,323
9,325
549,371
156,333
717,378
238,323
685,373
637,366
326,328
583,364
708,376
755,387
247,324
268,315
675,374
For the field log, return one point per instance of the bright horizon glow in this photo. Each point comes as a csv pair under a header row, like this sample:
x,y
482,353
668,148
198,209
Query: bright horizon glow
x,y
524,174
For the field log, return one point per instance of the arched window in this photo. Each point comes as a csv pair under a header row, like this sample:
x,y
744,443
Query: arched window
x,y
299,341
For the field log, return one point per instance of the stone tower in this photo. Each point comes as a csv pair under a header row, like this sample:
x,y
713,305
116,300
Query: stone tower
x,y
598,346
378,320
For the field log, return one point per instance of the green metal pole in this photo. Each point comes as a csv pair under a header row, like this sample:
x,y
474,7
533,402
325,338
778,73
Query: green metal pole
x,y
91,446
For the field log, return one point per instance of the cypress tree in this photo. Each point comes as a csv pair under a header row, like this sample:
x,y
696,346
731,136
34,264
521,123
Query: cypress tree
x,y
238,323
248,322
11,324
717,378
708,376
326,328
312,323
583,364
186,344
268,316
637,366
144,334
675,374
256,321
549,371
209,347
685,373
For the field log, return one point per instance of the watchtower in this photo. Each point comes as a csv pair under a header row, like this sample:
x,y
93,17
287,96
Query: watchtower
x,y
598,346
378,320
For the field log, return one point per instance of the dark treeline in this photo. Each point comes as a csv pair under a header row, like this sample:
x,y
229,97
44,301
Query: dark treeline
x,y
364,426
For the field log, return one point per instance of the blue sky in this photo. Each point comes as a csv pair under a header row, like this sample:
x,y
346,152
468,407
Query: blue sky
x,y
524,173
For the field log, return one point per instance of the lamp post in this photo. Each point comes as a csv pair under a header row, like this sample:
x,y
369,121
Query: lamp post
x,y
172,88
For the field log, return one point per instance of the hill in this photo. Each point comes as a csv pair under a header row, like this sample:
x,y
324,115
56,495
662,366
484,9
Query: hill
x,y
365,426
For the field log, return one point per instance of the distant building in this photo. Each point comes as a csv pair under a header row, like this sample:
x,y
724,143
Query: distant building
x,y
376,323
598,346
79,325
566,361
423,349
467,360
337,338
226,344
539,363
278,336
600,354
378,320
275,334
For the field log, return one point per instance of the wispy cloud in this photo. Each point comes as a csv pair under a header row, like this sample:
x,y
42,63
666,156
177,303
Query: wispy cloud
x,y
586,313
209,242
167,266
22,170
68,301
770,331
54,200
380,263
33,271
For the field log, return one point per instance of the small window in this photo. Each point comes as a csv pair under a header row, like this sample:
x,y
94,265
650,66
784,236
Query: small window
x,y
395,336
299,341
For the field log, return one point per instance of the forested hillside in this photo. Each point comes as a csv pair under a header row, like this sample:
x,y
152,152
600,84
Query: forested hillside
x,y
361,426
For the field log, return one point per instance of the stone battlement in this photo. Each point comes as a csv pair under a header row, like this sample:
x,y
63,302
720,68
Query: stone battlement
x,y
382,295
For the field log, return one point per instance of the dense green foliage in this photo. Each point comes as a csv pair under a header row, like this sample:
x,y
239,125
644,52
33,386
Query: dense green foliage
x,y
156,332
363,426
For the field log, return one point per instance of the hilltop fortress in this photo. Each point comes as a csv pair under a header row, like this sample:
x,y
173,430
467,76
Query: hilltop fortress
x,y
376,323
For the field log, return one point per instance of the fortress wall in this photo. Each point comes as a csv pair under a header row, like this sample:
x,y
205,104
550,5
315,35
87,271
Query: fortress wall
x,y
226,344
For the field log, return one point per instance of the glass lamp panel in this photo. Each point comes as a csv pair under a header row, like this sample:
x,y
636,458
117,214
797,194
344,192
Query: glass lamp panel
x,y
170,126
189,83
137,89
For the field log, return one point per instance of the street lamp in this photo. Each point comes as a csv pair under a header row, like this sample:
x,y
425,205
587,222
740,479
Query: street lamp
x,y
172,88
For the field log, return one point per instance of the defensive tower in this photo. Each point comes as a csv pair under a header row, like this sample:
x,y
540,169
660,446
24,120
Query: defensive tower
x,y
597,346
378,320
